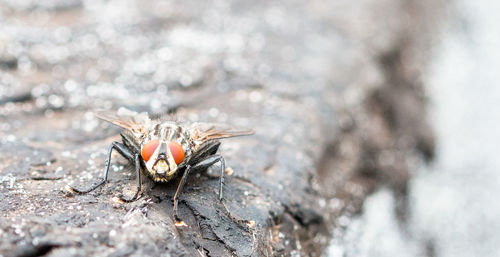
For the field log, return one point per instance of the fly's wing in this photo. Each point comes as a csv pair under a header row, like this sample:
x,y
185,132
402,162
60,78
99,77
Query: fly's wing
x,y
201,132
136,123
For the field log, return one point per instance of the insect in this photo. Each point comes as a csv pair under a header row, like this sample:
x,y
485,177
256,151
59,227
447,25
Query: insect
x,y
164,149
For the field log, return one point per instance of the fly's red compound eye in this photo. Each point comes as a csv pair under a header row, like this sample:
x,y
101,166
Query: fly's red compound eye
x,y
176,151
149,148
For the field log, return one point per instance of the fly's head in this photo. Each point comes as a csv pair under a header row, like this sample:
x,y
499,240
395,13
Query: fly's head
x,y
164,152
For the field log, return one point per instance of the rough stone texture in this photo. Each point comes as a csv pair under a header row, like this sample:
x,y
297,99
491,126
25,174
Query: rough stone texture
x,y
331,89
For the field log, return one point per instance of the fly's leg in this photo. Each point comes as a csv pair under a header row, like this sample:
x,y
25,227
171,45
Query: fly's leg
x,y
123,150
179,189
202,165
139,181
209,161
206,154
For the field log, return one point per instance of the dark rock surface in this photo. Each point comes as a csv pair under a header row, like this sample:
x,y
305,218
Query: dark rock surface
x,y
331,89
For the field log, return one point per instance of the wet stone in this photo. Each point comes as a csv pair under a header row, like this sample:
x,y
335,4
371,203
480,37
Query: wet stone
x,y
18,159
290,72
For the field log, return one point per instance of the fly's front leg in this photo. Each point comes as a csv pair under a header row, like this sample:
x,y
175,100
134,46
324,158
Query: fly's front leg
x,y
201,160
123,150
179,189
139,181
202,165
209,161
205,157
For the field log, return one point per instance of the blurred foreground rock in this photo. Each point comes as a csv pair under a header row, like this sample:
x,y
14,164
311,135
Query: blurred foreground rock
x,y
332,90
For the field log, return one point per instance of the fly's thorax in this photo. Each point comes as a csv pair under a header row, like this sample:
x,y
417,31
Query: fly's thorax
x,y
165,149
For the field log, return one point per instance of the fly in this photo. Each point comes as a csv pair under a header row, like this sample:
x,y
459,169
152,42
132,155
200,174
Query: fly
x,y
163,149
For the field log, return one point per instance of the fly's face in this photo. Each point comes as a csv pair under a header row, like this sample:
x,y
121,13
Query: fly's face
x,y
165,150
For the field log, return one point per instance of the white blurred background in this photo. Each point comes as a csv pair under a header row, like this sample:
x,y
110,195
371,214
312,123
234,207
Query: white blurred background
x,y
454,202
